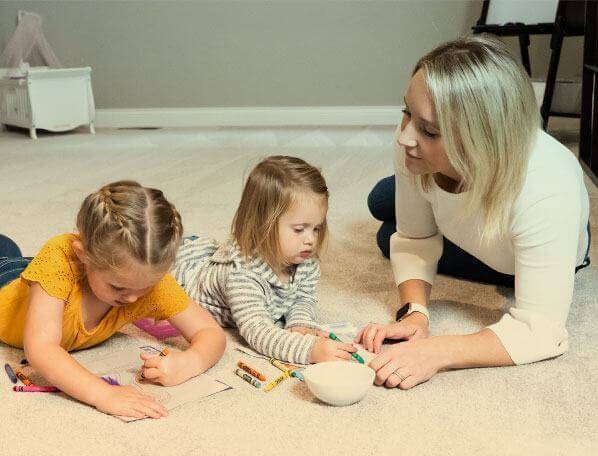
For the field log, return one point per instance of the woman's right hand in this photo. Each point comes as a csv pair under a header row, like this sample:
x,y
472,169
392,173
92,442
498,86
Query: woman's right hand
x,y
128,401
330,350
412,327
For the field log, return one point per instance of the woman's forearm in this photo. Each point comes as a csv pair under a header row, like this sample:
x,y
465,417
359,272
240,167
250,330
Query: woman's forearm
x,y
481,349
414,290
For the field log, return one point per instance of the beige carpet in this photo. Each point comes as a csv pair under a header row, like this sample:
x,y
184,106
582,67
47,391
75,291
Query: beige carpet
x,y
548,408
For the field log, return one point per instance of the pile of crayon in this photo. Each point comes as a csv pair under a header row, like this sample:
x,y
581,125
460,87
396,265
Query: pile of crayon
x,y
254,377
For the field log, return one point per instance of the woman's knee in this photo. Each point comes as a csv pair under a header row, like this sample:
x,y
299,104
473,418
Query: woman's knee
x,y
381,200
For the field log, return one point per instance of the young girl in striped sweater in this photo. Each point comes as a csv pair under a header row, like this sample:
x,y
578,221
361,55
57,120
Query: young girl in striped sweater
x,y
263,279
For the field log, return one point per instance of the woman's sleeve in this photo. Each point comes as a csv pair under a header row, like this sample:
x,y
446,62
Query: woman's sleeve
x,y
416,247
247,301
546,237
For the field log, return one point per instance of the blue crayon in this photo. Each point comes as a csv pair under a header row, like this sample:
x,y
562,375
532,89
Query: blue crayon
x,y
248,378
10,373
297,374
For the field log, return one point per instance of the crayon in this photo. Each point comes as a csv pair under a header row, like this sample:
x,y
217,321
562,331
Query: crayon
x,y
10,373
35,389
279,364
110,381
248,378
354,355
277,381
21,376
297,374
165,351
251,371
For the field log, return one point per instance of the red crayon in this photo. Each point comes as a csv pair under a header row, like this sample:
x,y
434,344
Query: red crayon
x,y
35,389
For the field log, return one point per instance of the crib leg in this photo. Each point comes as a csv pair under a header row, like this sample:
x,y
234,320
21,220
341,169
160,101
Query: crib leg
x,y
32,133
92,128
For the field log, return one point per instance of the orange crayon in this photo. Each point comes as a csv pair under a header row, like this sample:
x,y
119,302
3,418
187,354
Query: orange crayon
x,y
21,376
251,371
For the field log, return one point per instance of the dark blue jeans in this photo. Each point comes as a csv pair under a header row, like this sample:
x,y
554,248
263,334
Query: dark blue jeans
x,y
12,261
454,261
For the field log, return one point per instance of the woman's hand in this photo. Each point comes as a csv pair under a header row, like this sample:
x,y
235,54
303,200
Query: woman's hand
x,y
128,401
330,350
313,331
412,327
408,364
166,370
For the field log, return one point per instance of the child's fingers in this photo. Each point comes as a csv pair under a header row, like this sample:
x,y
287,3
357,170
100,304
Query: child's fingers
x,y
343,355
154,361
151,373
156,408
321,333
146,356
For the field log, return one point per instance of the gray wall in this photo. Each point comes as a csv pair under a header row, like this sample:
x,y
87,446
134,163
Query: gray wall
x,y
249,53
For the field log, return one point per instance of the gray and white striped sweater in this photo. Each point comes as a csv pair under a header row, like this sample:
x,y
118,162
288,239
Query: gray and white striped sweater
x,y
248,294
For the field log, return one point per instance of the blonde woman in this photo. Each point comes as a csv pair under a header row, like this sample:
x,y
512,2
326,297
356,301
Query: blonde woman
x,y
82,287
479,192
263,279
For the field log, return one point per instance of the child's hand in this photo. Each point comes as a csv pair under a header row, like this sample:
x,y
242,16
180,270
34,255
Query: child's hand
x,y
166,370
128,401
313,331
331,350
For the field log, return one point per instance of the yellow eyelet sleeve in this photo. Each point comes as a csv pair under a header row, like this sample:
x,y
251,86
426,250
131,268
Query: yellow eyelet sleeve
x,y
54,267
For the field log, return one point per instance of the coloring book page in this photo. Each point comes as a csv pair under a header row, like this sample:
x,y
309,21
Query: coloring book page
x,y
124,367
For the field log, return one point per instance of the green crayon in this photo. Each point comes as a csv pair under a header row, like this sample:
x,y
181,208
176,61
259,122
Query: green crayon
x,y
354,355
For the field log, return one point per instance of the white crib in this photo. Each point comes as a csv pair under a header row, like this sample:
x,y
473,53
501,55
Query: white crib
x,y
50,99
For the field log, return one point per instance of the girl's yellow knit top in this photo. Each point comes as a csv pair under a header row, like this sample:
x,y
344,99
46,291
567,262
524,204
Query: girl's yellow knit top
x,y
57,270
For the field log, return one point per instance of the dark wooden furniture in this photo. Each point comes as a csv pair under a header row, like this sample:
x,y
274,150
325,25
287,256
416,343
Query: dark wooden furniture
x,y
588,139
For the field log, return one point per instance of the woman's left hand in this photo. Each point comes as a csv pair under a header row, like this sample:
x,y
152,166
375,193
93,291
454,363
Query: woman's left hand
x,y
409,363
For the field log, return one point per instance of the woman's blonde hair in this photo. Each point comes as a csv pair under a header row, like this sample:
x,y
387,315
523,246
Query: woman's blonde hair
x,y
488,120
272,186
123,221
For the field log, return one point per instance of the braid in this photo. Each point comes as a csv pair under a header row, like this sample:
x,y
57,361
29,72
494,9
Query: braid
x,y
125,219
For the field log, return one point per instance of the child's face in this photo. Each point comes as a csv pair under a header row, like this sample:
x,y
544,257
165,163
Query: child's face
x,y
123,286
299,227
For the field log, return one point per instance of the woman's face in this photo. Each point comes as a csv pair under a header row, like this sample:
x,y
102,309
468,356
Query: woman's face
x,y
420,136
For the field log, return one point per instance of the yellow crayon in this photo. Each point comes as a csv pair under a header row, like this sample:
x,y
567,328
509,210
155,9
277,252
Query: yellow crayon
x,y
164,351
277,381
279,365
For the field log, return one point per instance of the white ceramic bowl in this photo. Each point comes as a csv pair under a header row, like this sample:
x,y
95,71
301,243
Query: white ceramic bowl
x,y
339,382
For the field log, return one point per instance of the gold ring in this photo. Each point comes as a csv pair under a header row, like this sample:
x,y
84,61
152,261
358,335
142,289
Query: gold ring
x,y
401,378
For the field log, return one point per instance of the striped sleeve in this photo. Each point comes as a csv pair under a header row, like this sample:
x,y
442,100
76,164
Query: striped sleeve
x,y
247,301
302,312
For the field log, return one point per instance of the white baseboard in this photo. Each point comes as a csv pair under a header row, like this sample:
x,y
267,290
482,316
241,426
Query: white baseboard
x,y
251,117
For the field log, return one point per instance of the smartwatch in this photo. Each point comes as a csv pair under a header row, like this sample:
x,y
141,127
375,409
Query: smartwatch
x,y
411,307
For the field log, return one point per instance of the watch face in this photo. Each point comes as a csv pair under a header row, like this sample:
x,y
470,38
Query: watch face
x,y
403,311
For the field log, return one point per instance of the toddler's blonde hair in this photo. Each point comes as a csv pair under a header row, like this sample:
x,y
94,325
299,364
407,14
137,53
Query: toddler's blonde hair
x,y
272,186
123,221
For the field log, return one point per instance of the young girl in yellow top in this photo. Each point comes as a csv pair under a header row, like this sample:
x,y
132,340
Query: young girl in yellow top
x,y
81,288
